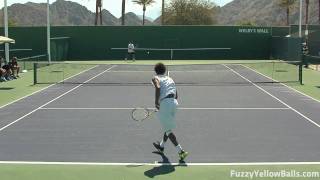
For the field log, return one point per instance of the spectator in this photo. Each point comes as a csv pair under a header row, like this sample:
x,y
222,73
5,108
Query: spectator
x,y
2,72
8,72
131,52
14,67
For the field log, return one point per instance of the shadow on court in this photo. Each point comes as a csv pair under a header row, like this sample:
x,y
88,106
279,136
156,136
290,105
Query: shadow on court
x,y
164,169
6,88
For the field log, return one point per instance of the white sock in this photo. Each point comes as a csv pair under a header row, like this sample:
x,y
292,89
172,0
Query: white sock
x,y
162,143
179,148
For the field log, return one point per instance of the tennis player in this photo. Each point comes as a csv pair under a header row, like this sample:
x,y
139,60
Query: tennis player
x,y
131,52
166,96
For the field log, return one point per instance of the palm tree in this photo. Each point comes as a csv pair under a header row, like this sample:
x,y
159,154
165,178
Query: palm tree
x,y
162,13
307,12
144,3
287,4
98,12
319,11
123,12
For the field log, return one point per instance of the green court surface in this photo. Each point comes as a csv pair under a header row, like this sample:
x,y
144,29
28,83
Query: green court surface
x,y
13,90
311,81
165,172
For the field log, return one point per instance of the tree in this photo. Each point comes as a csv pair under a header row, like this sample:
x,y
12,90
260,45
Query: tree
x,y
288,5
162,12
307,12
98,12
123,12
319,11
144,4
190,12
12,23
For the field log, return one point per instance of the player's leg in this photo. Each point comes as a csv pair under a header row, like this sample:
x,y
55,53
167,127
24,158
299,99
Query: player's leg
x,y
129,56
160,145
164,139
134,56
182,153
126,57
167,115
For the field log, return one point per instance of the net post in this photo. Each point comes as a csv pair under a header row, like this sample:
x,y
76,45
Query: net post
x,y
171,54
35,69
273,71
300,73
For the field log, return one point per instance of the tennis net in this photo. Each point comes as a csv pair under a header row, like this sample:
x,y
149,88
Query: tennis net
x,y
26,63
176,53
308,59
312,62
189,74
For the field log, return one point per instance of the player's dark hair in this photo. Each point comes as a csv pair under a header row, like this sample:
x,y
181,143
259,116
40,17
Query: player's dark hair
x,y
160,69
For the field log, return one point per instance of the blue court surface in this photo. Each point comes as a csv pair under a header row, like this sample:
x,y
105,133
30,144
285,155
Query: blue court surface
x,y
238,120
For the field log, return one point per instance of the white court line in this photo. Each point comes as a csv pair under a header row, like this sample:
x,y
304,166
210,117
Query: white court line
x,y
46,87
296,111
174,71
44,108
283,84
159,164
138,71
4,127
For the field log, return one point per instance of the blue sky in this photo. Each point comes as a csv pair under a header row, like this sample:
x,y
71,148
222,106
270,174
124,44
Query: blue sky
x,y
114,6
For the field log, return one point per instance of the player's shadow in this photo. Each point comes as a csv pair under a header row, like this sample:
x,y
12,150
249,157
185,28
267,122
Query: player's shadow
x,y
165,168
6,88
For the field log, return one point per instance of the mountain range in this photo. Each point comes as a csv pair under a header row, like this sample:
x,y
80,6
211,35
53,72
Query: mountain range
x,y
63,13
68,13
264,13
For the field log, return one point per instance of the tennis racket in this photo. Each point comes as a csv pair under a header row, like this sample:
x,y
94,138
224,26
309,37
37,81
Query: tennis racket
x,y
141,114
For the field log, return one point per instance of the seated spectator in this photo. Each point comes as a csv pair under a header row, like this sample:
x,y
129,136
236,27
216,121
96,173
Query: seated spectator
x,y
2,73
8,72
14,67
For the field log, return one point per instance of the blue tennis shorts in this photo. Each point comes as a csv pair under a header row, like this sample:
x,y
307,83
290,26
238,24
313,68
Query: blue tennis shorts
x,y
167,113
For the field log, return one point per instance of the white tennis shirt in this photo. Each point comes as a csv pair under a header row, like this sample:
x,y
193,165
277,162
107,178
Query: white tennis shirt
x,y
167,86
130,48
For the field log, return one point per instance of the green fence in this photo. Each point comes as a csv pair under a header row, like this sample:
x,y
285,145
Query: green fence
x,y
286,48
313,37
59,48
314,43
28,38
95,43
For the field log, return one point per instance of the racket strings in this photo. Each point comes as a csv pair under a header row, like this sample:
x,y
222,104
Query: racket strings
x,y
140,114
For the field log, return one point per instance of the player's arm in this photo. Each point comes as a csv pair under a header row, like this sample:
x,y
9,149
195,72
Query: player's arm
x,y
176,94
156,85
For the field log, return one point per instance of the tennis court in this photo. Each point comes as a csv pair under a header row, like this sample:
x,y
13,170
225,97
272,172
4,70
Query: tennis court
x,y
228,113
